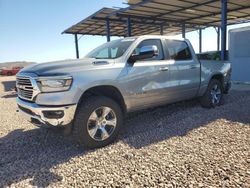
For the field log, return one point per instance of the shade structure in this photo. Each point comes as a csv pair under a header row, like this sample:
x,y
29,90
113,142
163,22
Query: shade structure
x,y
96,25
194,12
165,17
149,16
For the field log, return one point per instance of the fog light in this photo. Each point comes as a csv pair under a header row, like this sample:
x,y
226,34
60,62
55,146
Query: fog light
x,y
53,114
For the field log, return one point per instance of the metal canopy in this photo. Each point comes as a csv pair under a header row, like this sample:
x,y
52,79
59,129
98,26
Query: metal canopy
x,y
194,12
165,17
149,16
96,24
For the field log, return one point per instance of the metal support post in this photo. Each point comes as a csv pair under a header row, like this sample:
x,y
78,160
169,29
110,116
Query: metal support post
x,y
218,38
129,29
200,40
76,45
183,30
108,30
161,30
223,28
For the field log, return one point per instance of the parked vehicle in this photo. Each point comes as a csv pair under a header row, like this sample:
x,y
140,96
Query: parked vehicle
x,y
10,72
91,96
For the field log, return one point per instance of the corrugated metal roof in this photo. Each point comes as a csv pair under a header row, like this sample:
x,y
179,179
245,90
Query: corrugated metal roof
x,y
196,12
147,16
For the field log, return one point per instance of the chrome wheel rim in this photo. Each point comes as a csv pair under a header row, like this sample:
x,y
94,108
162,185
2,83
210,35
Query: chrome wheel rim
x,y
216,94
101,123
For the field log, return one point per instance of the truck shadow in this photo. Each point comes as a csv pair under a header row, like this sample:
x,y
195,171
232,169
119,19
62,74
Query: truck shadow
x,y
31,154
9,85
10,95
178,119
9,89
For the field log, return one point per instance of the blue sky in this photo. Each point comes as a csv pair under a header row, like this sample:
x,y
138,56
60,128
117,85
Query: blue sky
x,y
31,29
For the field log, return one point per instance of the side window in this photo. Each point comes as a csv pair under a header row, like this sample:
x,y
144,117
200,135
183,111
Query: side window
x,y
103,54
178,50
151,42
107,53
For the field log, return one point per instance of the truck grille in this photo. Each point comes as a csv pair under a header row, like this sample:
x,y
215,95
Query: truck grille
x,y
24,88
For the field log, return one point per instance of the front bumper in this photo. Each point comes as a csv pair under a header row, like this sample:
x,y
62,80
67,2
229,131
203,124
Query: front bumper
x,y
47,115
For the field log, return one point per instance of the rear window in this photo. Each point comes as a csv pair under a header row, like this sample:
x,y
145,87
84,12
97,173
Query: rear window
x,y
178,50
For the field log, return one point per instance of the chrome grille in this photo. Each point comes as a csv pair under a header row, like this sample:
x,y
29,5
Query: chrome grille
x,y
24,88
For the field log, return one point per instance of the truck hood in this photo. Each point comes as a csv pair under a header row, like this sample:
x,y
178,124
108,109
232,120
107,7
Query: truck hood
x,y
66,66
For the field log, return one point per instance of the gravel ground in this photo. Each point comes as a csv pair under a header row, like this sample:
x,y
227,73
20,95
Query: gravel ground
x,y
179,145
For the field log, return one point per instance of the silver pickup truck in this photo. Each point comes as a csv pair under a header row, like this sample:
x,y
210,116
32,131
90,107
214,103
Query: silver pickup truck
x,y
91,96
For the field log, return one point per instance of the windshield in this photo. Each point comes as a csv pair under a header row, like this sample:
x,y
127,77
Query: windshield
x,y
111,50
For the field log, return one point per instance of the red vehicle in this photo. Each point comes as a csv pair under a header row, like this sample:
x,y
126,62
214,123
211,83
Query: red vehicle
x,y
13,71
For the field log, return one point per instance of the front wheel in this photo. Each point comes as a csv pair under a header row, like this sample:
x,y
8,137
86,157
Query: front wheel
x,y
97,122
213,96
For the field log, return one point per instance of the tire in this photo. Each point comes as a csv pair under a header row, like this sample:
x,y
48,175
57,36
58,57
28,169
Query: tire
x,y
92,128
9,73
208,100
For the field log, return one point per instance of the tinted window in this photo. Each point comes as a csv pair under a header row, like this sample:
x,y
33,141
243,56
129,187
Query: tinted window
x,y
151,42
178,50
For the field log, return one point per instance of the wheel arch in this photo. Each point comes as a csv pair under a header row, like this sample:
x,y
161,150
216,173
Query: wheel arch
x,y
109,91
219,77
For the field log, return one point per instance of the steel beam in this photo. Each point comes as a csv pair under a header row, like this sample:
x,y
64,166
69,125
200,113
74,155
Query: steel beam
x,y
129,28
143,22
108,30
183,30
76,45
223,28
200,40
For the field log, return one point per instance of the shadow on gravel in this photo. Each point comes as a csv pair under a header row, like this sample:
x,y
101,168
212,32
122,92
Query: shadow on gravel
x,y
11,95
9,85
31,154
178,119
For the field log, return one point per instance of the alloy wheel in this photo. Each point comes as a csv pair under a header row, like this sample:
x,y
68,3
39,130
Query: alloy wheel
x,y
101,123
216,94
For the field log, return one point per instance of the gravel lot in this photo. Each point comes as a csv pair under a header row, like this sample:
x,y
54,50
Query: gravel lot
x,y
180,145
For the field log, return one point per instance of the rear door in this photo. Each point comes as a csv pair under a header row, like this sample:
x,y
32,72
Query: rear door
x,y
184,70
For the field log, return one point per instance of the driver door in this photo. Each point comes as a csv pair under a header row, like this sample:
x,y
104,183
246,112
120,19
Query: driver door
x,y
148,79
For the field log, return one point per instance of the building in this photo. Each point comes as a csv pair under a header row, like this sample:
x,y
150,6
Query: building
x,y
239,53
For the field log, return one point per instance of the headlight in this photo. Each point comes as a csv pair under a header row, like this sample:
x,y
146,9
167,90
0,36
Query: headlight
x,y
54,84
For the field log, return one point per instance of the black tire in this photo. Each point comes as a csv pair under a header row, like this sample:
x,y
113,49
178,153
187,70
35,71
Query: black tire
x,y
207,99
81,123
9,73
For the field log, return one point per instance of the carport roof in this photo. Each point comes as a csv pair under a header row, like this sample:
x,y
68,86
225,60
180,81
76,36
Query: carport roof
x,y
149,15
96,25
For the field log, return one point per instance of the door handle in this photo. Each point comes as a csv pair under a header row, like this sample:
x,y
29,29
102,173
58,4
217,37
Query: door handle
x,y
193,67
164,69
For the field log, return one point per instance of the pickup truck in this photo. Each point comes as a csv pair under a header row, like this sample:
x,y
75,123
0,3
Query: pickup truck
x,y
91,96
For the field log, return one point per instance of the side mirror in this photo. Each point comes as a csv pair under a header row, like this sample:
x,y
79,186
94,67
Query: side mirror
x,y
145,53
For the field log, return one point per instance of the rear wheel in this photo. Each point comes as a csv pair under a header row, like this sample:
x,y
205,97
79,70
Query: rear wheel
x,y
214,95
97,122
9,73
